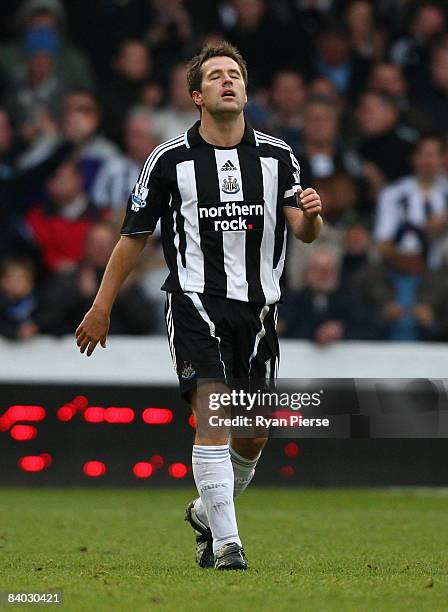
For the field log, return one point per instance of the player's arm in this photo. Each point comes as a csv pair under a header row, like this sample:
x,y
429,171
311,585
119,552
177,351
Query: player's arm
x,y
95,325
305,221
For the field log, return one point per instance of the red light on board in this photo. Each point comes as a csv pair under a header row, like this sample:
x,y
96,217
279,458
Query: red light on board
x,y
21,413
80,402
94,414
5,422
157,416
287,471
119,415
66,412
47,458
192,421
25,413
32,463
94,469
157,461
177,470
143,469
22,433
288,415
291,449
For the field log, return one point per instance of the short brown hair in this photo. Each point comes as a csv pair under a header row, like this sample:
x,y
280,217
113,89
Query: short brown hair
x,y
221,49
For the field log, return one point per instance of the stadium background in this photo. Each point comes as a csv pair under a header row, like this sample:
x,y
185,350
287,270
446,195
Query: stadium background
x,y
360,92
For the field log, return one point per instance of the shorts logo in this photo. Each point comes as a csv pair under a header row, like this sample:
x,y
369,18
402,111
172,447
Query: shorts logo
x,y
230,185
188,370
138,197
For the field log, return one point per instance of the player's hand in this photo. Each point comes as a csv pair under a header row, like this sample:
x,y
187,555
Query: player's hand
x,y
309,202
93,329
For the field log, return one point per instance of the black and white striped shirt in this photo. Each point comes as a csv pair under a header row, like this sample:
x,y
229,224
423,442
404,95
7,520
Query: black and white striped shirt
x,y
405,203
222,223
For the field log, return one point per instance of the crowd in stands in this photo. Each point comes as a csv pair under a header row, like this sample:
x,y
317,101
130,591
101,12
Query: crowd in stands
x,y
358,89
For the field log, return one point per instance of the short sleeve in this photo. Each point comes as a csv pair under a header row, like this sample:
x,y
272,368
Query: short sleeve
x,y
289,197
146,202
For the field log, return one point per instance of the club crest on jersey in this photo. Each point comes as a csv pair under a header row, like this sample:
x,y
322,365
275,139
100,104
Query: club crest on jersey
x,y
230,185
138,197
187,371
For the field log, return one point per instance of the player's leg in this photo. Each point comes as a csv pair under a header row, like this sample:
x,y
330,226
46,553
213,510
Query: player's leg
x,y
213,473
257,359
198,341
244,454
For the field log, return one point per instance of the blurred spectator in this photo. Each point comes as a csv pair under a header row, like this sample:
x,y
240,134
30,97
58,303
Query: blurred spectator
x,y
180,113
16,186
170,34
39,19
384,144
430,309
117,177
323,83
18,301
68,295
255,28
402,291
288,96
6,143
418,202
323,87
335,60
412,50
367,39
389,78
116,20
60,225
358,253
341,196
323,311
81,121
40,88
323,152
132,69
434,96
313,13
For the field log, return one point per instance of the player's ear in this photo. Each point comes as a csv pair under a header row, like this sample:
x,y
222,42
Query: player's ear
x,y
197,98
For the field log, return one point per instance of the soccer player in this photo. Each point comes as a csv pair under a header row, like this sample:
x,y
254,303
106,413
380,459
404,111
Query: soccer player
x,y
222,191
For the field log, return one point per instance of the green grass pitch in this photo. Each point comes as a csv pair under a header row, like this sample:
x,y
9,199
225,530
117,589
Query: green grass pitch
x,y
317,550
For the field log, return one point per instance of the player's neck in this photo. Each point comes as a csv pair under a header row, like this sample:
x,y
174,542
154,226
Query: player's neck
x,y
227,132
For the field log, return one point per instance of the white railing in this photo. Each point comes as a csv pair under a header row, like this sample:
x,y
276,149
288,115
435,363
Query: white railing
x,y
146,360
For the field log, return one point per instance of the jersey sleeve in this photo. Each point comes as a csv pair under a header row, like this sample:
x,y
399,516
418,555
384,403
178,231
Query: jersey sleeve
x,y
146,202
289,197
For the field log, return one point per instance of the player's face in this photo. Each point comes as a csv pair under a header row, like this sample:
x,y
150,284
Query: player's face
x,y
223,88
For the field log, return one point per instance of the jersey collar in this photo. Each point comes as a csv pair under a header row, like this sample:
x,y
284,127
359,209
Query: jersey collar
x,y
193,138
